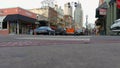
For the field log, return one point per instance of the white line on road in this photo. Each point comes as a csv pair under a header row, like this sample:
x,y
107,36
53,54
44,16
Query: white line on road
x,y
55,38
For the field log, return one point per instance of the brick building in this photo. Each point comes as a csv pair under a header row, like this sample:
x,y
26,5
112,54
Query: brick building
x,y
47,12
68,21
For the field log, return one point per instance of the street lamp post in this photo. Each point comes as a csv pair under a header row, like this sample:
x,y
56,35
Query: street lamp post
x,y
37,22
86,24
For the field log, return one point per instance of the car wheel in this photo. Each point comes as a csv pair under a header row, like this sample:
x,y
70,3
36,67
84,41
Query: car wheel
x,y
49,33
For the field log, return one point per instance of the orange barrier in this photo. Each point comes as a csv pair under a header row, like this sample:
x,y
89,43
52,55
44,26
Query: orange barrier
x,y
70,30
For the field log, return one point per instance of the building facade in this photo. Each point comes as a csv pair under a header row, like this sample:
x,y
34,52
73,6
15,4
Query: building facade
x,y
110,12
60,22
78,16
68,15
68,9
101,13
48,12
16,21
68,21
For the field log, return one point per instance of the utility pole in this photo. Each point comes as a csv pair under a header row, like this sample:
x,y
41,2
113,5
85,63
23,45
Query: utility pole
x,y
86,24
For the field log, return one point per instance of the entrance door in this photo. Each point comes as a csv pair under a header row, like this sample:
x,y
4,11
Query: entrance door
x,y
13,28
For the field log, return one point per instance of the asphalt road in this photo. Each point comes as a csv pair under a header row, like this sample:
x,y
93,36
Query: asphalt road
x,y
84,52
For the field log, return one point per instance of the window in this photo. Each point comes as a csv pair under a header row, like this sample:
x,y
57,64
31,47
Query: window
x,y
4,25
0,25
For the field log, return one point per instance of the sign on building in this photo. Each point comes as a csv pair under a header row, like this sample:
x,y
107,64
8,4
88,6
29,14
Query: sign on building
x,y
102,11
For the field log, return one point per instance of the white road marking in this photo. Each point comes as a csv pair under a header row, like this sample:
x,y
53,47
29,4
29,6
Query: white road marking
x,y
56,38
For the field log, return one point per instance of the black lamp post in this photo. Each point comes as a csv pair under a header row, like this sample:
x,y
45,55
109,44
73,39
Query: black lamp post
x,y
86,24
37,22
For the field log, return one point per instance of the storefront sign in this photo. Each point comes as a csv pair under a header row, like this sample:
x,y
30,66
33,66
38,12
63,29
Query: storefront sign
x,y
102,11
0,25
24,12
1,12
118,3
27,13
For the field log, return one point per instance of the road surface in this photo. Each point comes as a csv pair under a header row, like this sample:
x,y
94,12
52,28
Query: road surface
x,y
59,51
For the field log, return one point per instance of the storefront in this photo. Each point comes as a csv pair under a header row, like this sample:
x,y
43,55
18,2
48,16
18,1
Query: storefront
x,y
101,12
17,23
111,15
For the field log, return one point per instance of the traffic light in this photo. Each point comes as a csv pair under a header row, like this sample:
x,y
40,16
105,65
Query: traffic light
x,y
75,4
69,4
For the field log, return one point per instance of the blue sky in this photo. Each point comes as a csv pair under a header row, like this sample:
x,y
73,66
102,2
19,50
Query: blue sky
x,y
88,6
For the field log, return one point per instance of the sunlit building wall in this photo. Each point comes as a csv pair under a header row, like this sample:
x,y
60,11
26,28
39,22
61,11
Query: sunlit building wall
x,y
67,9
60,22
78,16
68,15
47,12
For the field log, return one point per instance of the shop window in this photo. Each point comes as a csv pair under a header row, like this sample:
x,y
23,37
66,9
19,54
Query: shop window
x,y
4,25
0,25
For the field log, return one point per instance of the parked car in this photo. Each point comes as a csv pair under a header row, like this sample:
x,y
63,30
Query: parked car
x,y
60,31
115,27
79,32
44,30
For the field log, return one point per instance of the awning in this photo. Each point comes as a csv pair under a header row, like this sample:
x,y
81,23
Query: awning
x,y
16,17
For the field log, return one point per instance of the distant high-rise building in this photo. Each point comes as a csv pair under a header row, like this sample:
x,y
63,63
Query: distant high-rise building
x,y
68,9
78,16
68,15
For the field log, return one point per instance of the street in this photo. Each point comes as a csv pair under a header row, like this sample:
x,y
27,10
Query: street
x,y
60,34
33,51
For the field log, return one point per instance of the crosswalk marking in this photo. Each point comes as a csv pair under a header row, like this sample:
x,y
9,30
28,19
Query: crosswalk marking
x,y
56,38
45,40
38,43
